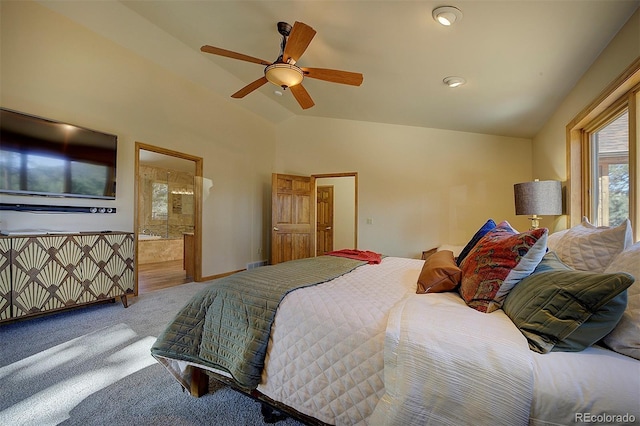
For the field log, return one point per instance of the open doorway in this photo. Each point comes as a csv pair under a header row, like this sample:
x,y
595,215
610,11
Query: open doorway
x,y
293,214
336,212
168,218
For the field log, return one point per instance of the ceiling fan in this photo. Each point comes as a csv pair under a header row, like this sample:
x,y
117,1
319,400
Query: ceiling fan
x,y
284,72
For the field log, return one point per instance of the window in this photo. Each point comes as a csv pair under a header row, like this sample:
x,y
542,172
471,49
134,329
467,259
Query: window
x,y
159,201
609,164
603,156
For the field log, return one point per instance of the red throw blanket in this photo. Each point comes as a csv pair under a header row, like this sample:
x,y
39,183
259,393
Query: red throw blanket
x,y
368,256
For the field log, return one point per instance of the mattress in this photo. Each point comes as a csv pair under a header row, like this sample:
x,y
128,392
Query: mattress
x,y
326,351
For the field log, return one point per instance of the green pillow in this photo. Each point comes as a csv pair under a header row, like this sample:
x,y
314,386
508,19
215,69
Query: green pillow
x,y
561,309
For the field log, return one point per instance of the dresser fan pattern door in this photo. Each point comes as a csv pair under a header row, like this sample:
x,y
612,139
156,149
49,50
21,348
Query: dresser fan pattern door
x,y
107,268
45,274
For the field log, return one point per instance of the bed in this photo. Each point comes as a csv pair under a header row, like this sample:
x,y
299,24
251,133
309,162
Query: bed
x,y
326,341
350,342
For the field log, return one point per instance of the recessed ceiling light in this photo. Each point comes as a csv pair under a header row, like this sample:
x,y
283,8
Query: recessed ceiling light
x,y
454,81
447,15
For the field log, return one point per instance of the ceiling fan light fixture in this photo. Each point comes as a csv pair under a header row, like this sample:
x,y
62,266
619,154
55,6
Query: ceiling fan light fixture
x,y
283,75
454,82
447,15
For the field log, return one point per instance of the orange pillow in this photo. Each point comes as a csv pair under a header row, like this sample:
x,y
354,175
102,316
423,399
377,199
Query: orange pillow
x,y
439,273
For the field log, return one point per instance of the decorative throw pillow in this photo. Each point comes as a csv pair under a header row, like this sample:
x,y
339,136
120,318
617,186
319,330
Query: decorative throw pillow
x,y
586,247
488,226
560,309
498,262
439,273
625,337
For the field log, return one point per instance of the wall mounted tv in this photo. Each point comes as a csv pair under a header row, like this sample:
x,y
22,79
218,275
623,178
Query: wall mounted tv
x,y
48,158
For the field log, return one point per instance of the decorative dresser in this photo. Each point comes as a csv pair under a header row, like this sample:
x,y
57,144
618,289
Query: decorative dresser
x,y
50,272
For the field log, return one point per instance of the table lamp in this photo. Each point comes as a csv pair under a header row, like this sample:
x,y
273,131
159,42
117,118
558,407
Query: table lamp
x,y
540,197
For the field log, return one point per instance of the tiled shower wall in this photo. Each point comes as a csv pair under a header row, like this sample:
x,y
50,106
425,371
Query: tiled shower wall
x,y
179,214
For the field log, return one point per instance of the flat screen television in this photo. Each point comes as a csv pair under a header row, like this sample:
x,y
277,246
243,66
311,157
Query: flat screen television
x,y
49,158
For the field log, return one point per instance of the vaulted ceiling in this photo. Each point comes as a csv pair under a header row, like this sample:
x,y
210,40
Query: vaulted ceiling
x,y
520,58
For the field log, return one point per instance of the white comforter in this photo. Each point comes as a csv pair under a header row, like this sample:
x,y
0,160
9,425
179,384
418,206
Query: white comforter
x,y
446,364
325,355
577,387
365,340
365,349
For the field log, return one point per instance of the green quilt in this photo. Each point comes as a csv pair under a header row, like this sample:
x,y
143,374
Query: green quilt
x,y
227,325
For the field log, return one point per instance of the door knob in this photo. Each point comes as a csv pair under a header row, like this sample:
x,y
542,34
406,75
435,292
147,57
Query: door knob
x,y
327,228
275,228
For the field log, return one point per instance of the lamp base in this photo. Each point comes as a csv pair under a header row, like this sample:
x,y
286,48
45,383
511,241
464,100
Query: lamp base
x,y
535,222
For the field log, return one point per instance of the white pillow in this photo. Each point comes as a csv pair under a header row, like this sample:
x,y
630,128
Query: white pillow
x,y
586,247
554,239
625,338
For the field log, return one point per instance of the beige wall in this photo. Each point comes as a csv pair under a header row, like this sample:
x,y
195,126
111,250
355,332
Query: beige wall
x,y
421,187
549,145
56,68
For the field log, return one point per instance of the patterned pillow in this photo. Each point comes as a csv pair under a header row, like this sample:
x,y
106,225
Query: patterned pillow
x,y
439,273
586,247
497,263
488,226
625,338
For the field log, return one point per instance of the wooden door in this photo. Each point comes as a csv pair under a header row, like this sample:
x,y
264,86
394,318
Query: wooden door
x,y
291,218
324,220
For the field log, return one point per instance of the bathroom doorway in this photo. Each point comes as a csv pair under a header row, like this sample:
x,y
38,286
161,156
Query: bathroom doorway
x,y
168,217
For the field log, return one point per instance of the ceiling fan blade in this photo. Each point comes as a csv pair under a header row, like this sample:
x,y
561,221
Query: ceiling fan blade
x,y
302,96
298,41
249,88
334,76
233,55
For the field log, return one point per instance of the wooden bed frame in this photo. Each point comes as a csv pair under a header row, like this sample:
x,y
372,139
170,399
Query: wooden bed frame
x,y
272,411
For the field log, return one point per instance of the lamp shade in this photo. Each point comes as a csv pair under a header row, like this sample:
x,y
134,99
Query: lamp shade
x,y
540,197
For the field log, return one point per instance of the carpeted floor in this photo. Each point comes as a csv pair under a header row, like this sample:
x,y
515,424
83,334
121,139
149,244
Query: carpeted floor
x,y
92,366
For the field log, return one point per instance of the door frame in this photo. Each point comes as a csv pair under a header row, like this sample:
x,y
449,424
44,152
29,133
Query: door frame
x,y
197,204
314,195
